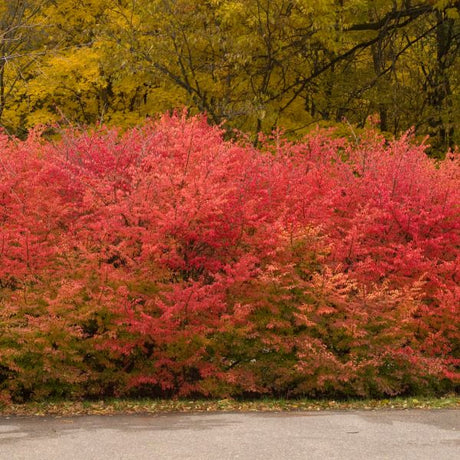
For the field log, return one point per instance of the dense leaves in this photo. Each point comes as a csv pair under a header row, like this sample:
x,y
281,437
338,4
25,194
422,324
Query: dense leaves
x,y
251,64
168,261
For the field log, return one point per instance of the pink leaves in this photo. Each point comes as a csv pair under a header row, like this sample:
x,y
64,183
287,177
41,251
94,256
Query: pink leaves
x,y
180,260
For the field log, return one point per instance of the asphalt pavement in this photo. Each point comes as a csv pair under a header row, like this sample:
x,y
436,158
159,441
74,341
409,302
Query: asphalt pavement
x,y
382,434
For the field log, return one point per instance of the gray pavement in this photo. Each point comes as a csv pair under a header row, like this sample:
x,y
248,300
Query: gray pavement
x,y
410,434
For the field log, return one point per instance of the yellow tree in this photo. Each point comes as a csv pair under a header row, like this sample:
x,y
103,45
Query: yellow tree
x,y
251,64
22,46
262,63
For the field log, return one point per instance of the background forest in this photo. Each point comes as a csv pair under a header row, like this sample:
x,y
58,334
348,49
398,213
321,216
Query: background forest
x,y
252,64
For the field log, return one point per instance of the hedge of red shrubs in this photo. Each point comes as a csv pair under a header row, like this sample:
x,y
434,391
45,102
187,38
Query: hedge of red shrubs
x,y
170,262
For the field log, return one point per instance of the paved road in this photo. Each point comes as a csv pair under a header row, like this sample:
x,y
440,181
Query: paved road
x,y
411,434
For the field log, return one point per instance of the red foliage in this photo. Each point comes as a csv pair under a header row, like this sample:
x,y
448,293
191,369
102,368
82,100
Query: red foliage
x,y
171,262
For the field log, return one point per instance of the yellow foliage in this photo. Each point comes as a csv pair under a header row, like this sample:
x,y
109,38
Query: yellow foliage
x,y
253,64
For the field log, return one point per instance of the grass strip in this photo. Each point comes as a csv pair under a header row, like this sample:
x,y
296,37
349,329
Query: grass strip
x,y
152,406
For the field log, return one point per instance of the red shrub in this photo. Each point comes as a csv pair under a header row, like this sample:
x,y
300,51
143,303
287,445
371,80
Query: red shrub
x,y
168,261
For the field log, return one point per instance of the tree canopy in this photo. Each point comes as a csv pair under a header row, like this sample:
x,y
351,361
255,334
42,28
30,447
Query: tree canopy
x,y
253,65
